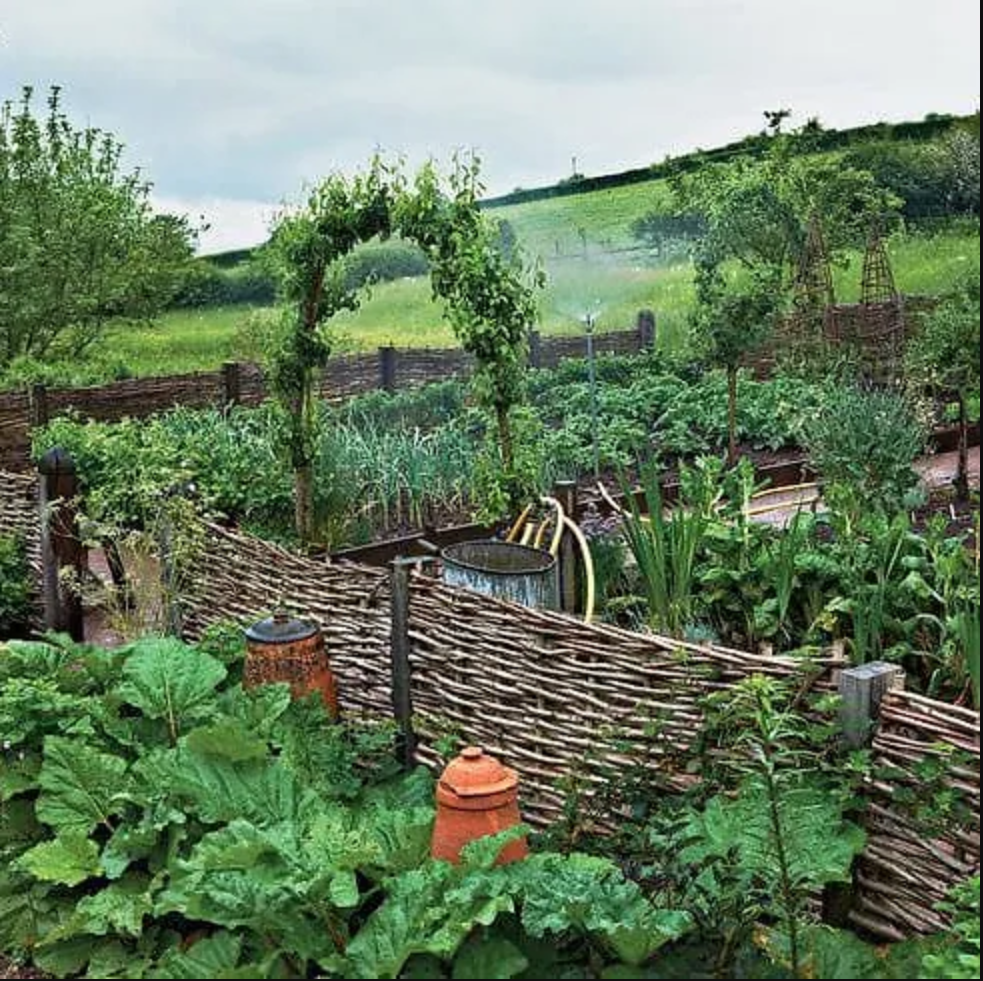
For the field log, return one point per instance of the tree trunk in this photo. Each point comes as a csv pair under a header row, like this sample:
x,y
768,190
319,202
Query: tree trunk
x,y
504,436
731,416
961,481
304,502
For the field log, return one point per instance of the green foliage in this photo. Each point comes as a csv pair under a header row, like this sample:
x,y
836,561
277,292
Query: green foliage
x,y
763,850
79,243
175,825
943,352
757,212
432,910
16,586
487,293
665,548
959,955
864,445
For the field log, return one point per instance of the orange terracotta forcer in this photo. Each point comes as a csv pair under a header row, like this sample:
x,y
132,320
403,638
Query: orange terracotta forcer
x,y
284,649
476,796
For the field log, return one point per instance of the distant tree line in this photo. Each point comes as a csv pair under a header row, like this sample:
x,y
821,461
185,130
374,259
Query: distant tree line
x,y
244,276
812,137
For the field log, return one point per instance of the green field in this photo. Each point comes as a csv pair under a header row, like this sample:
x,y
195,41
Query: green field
x,y
593,265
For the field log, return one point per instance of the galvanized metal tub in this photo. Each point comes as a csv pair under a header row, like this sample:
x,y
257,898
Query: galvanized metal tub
x,y
519,573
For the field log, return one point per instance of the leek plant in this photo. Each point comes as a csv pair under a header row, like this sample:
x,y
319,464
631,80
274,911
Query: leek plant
x,y
665,548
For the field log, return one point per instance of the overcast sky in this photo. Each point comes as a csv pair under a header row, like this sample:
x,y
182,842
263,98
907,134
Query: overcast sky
x,y
230,106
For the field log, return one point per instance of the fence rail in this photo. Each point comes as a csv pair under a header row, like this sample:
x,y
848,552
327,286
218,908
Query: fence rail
x,y
389,368
562,700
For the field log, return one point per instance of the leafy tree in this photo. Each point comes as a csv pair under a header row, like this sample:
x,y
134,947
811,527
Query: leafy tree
x,y
306,251
489,298
733,317
79,243
758,211
945,354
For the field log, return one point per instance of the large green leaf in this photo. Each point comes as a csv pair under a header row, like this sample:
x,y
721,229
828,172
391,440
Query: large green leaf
x,y
67,860
488,957
403,925
120,908
818,846
28,910
258,878
588,893
168,680
215,956
66,958
18,774
80,786
220,790
228,739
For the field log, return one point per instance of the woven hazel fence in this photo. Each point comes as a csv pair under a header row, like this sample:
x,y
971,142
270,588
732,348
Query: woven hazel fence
x,y
19,514
555,697
237,578
344,376
565,702
562,700
921,839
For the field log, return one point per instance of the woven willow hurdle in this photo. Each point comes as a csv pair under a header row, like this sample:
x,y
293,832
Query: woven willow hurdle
x,y
912,858
557,699
19,514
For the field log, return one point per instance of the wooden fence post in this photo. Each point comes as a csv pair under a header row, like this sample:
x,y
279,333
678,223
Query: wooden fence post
x,y
62,554
399,652
861,690
645,325
387,368
231,384
38,405
565,491
535,349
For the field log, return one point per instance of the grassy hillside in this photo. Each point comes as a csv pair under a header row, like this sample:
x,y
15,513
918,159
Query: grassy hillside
x,y
557,229
402,312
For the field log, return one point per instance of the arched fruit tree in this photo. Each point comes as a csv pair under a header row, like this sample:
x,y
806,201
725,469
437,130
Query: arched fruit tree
x,y
488,295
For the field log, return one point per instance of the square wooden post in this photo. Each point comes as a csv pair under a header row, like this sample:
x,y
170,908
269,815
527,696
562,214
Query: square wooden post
x,y
861,690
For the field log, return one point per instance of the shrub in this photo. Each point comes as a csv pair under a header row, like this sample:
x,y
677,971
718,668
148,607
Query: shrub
x,y
864,445
15,586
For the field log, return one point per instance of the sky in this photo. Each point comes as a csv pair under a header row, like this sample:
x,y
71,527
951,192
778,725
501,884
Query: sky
x,y
232,107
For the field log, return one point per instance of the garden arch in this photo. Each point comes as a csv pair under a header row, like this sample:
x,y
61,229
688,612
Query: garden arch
x,y
488,293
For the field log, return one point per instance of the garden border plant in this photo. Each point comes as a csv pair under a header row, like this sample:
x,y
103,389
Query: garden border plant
x,y
485,290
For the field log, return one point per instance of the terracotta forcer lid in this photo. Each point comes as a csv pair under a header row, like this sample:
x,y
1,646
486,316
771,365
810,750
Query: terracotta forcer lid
x,y
475,774
280,628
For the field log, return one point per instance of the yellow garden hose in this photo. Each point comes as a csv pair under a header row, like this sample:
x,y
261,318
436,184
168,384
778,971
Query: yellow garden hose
x,y
588,567
565,523
519,522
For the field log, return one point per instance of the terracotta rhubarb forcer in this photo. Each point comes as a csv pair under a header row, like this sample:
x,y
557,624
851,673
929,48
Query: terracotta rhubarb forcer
x,y
476,796
282,648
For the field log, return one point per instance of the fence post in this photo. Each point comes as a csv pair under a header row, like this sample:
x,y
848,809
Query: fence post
x,y
565,491
645,325
231,383
387,368
861,690
399,652
535,349
62,554
38,405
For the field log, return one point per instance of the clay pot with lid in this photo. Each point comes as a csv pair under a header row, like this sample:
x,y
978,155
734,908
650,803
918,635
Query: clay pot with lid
x,y
476,796
282,648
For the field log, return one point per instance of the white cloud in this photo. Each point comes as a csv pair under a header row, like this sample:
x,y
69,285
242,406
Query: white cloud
x,y
225,224
242,100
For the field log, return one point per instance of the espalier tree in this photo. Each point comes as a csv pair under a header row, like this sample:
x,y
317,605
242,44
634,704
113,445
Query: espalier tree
x,y
488,295
80,246
757,214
